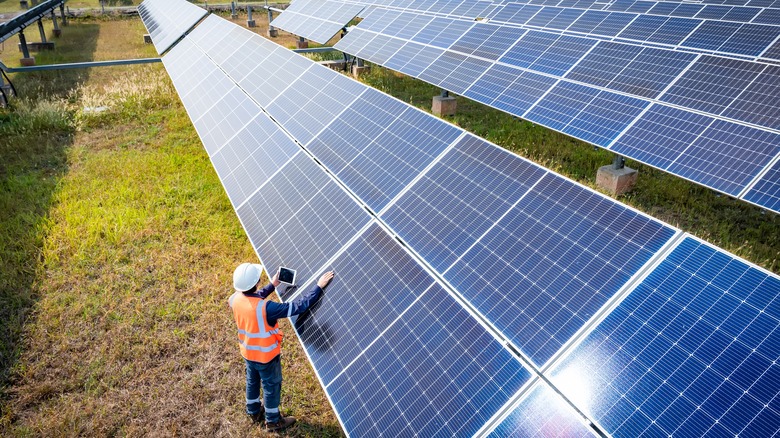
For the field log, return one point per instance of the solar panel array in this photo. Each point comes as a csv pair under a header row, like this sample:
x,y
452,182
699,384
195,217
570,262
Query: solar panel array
x,y
465,274
168,21
317,20
710,119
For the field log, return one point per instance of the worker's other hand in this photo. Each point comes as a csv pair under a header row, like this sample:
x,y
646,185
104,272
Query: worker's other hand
x,y
275,281
325,279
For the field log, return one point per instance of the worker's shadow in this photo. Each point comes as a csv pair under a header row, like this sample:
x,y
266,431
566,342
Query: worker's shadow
x,y
315,332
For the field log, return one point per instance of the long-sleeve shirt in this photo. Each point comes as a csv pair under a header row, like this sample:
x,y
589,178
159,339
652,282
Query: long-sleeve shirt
x,y
275,311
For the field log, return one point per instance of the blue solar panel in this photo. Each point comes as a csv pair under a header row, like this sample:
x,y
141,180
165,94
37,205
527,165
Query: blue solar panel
x,y
564,19
768,16
773,52
251,157
378,145
751,39
727,156
459,198
661,135
613,24
692,351
542,413
547,266
589,21
712,83
167,22
438,71
643,27
419,376
646,74
547,53
711,35
766,192
465,74
604,63
523,93
357,308
561,104
714,12
493,83
307,106
604,118
300,204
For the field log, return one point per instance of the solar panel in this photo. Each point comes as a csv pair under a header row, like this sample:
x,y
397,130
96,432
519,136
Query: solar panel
x,y
316,20
166,22
766,191
408,359
378,145
542,413
726,157
691,351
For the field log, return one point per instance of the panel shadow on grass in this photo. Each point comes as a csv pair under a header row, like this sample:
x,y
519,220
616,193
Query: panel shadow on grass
x,y
35,133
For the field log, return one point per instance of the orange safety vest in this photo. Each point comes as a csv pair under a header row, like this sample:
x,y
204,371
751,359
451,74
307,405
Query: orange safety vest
x,y
258,341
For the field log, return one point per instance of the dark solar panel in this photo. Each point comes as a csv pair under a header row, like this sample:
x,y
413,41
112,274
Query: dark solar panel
x,y
300,204
766,192
534,274
378,145
692,351
459,199
436,372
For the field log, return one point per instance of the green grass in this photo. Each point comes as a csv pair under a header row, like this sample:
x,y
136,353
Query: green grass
x,y
114,318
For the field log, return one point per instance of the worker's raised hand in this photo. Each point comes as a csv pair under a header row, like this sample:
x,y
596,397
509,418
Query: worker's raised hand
x,y
275,280
325,279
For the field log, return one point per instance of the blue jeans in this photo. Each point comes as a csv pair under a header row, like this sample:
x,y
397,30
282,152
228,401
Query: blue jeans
x,y
270,376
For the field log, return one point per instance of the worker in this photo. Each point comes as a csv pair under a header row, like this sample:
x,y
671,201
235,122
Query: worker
x,y
260,340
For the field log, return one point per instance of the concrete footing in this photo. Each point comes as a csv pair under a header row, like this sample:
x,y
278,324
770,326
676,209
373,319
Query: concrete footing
x,y
147,39
27,62
272,33
334,64
57,33
616,181
234,16
360,70
37,47
251,23
444,106
301,44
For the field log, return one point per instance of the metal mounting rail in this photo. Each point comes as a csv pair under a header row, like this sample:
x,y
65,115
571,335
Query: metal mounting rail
x,y
78,65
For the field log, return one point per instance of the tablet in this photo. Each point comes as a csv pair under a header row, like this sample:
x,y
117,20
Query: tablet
x,y
286,275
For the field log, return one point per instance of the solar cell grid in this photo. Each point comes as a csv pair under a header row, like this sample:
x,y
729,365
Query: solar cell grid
x,y
316,20
711,84
561,104
250,158
360,305
603,63
523,93
459,198
751,39
168,22
542,413
711,35
604,118
661,135
228,115
533,273
465,74
727,156
692,351
766,192
378,169
300,204
435,372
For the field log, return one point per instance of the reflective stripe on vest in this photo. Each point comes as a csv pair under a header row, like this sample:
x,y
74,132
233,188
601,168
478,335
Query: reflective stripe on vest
x,y
258,341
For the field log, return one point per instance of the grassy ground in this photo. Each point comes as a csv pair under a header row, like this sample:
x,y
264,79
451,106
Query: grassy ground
x,y
118,244
118,249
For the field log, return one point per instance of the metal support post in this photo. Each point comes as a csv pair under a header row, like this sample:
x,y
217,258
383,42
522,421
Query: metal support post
x,y
360,62
57,31
445,93
618,162
42,32
62,13
23,42
270,19
233,10
249,12
103,6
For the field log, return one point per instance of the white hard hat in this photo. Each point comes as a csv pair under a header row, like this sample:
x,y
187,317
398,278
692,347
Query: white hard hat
x,y
246,276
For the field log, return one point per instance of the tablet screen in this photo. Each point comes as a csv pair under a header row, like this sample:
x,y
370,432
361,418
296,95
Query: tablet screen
x,y
286,275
